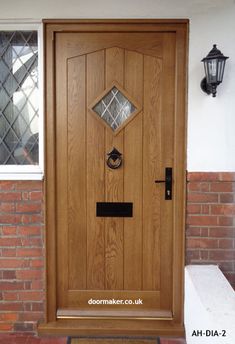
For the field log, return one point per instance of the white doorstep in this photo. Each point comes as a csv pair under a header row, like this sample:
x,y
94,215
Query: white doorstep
x,y
209,306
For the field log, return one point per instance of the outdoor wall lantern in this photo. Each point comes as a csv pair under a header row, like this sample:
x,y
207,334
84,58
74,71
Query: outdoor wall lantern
x,y
214,64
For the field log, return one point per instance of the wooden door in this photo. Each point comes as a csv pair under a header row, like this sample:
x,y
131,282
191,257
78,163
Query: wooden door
x,y
116,86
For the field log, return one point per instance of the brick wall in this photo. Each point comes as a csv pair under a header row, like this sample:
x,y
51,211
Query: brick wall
x,y
210,239
21,255
211,221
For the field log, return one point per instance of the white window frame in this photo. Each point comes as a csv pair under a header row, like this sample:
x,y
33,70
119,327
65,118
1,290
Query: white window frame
x,y
28,172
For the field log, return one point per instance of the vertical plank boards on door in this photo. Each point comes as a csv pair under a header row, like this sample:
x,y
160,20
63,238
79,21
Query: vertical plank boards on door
x,y
77,173
151,171
133,175
168,125
114,71
95,175
61,173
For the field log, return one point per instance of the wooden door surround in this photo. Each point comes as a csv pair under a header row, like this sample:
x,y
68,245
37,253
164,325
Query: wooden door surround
x,y
114,85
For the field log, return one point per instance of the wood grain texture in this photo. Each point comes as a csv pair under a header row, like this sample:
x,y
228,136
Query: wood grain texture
x,y
151,171
77,172
95,177
113,254
168,158
61,137
114,67
50,173
133,176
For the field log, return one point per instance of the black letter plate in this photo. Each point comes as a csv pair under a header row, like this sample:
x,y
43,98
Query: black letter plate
x,y
114,209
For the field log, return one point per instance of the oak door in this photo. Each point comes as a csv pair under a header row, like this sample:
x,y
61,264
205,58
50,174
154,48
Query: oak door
x,y
116,104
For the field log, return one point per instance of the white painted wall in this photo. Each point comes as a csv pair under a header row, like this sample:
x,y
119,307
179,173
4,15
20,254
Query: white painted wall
x,y
211,121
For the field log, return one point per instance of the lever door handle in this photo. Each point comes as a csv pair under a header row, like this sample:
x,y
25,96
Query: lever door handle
x,y
168,180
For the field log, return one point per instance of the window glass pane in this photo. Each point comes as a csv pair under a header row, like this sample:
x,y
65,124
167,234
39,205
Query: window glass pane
x,y
114,108
19,97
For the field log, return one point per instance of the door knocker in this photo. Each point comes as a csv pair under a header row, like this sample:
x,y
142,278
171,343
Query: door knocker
x,y
114,159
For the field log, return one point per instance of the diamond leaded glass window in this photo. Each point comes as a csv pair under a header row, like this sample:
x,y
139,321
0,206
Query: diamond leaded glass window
x,y
18,98
114,108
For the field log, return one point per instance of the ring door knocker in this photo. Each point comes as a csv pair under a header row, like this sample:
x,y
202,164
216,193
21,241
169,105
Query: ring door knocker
x,y
114,159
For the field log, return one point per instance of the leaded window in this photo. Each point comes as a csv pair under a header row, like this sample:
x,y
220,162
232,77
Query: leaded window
x,y
19,98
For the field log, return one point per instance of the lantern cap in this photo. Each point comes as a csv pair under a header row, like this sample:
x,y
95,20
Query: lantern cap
x,y
214,54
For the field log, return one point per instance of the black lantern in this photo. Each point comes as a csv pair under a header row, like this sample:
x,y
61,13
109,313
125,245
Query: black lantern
x,y
214,64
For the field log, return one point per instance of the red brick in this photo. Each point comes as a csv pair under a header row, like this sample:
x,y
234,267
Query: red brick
x,y
21,327
36,195
37,285
9,219
7,207
37,263
8,274
31,296
10,296
226,243
225,221
5,327
226,198
29,230
192,255
28,207
225,209
29,252
37,218
13,263
193,231
194,186
11,306
29,274
38,306
203,176
35,242
226,266
8,316
222,255
25,196
222,232
205,209
9,252
10,242
222,187
7,185
227,176
202,197
28,185
9,230
10,196
31,316
11,285
202,220
202,243
198,186
193,208
204,255
204,232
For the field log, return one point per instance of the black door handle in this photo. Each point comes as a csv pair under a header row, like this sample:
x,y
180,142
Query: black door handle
x,y
168,180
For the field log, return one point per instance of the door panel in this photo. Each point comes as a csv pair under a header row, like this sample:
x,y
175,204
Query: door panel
x,y
115,253
120,258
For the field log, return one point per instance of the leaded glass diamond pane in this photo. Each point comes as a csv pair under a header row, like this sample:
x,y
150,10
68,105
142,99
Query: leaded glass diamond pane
x,y
18,98
114,108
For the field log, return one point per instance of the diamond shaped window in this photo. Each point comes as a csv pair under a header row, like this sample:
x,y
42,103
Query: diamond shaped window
x,y
114,108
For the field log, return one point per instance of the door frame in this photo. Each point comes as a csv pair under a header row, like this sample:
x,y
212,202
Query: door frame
x,y
169,326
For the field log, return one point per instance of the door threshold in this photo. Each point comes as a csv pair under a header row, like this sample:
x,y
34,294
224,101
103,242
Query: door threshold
x,y
114,314
109,327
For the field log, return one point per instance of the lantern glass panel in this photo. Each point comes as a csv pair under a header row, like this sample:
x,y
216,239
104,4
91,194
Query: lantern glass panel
x,y
212,66
221,64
